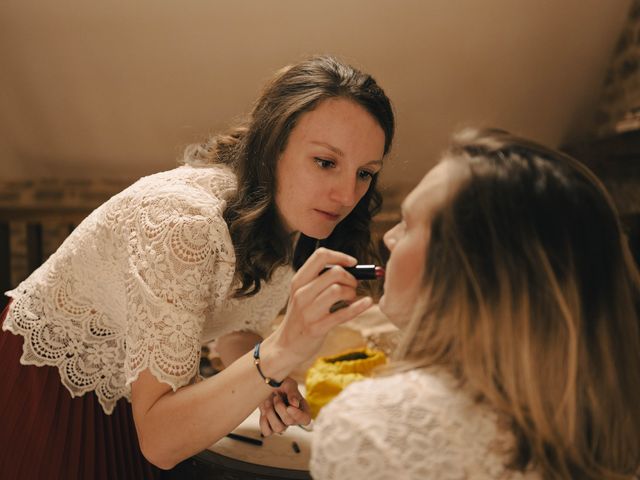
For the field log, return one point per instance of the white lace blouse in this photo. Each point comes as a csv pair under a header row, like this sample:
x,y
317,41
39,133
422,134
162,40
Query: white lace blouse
x,y
411,425
141,283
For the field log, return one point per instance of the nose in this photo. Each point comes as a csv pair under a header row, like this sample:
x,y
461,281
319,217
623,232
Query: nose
x,y
345,191
389,238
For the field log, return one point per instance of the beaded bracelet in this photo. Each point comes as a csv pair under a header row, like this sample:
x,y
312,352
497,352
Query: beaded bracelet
x,y
256,360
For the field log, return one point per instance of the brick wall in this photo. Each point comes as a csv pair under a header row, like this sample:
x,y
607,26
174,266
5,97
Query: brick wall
x,y
37,215
619,108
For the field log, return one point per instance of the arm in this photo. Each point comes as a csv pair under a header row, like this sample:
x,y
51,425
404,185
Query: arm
x,y
172,425
275,414
235,344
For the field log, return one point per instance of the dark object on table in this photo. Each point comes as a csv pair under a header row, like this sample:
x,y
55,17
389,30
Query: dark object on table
x,y
242,438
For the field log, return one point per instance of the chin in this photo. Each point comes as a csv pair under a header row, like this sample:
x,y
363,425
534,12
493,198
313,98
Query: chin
x,y
382,304
399,319
316,232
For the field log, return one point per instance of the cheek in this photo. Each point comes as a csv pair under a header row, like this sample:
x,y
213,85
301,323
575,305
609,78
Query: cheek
x,y
411,277
286,203
411,269
362,190
401,289
303,186
288,193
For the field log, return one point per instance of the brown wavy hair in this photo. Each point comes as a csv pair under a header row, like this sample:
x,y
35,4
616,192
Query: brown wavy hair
x,y
532,298
252,149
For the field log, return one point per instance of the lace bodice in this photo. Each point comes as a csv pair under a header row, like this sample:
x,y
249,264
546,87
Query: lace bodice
x,y
411,425
141,283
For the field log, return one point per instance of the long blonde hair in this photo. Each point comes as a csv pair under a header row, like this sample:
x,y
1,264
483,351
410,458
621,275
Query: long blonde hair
x,y
531,298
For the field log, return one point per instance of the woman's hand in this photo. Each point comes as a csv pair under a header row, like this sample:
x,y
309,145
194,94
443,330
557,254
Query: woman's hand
x,y
310,315
285,407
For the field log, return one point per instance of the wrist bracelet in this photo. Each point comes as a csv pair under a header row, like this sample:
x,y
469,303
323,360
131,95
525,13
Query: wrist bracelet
x,y
256,360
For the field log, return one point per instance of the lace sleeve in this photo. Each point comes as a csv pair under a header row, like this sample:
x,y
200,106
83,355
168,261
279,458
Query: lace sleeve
x,y
180,260
345,444
410,426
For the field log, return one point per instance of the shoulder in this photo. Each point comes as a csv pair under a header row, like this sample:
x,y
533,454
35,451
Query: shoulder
x,y
217,180
200,187
416,412
388,392
184,197
173,227
362,433
381,401
418,399
215,177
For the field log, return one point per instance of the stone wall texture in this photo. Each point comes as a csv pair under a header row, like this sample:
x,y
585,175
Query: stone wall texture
x,y
619,107
53,208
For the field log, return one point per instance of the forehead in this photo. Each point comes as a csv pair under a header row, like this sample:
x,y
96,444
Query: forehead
x,y
342,121
434,190
333,108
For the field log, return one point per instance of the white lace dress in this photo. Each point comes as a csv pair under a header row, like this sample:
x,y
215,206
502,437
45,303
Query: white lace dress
x,y
411,425
141,283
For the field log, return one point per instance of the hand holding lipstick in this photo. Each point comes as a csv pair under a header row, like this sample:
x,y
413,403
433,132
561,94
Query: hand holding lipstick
x,y
309,315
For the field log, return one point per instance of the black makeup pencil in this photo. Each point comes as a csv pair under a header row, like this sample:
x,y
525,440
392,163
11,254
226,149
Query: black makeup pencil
x,y
242,438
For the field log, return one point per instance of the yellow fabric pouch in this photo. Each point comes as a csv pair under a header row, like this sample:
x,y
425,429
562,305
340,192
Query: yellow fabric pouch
x,y
329,375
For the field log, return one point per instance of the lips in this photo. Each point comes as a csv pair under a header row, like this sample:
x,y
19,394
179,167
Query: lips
x,y
328,215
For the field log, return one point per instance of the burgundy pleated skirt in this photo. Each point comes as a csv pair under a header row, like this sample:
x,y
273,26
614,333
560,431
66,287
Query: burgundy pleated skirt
x,y
47,434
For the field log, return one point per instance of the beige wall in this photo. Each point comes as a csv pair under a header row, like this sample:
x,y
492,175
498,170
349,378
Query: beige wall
x,y
111,88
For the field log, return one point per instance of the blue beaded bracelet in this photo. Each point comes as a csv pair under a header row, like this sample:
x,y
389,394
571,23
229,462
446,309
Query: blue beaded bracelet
x,y
256,360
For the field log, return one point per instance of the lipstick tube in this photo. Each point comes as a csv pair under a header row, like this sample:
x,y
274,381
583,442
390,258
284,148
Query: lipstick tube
x,y
362,272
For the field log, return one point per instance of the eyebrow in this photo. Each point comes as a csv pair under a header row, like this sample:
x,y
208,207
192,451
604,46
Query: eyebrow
x,y
340,153
335,150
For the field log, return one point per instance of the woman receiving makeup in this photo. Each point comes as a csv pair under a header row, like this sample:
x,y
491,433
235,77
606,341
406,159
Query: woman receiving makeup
x,y
207,250
517,298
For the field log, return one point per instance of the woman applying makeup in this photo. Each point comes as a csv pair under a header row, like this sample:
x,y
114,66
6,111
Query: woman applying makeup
x,y
181,257
518,301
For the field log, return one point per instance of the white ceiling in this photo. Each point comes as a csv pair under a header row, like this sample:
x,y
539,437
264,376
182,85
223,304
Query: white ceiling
x,y
116,89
